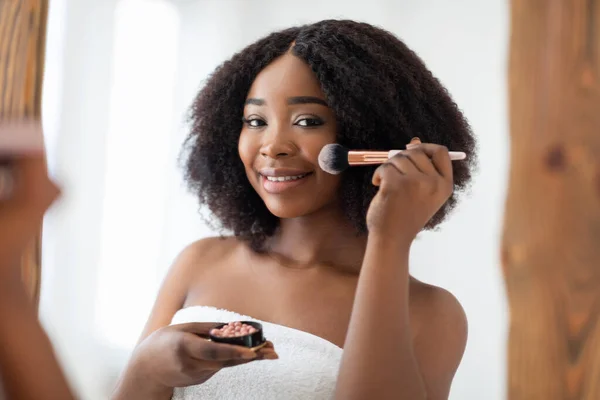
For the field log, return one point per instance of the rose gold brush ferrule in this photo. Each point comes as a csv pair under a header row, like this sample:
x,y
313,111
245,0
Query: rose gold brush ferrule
x,y
366,157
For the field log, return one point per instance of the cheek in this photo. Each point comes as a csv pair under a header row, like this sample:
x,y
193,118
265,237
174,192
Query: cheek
x,y
328,185
331,182
247,150
313,145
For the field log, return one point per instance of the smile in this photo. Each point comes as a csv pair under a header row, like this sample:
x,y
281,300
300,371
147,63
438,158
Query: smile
x,y
282,183
286,178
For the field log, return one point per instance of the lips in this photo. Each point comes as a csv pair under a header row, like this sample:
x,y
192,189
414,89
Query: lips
x,y
279,180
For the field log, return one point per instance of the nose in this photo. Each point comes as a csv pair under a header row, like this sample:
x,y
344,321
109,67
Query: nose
x,y
277,144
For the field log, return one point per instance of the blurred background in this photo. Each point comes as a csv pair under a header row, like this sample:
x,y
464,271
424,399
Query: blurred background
x,y
120,76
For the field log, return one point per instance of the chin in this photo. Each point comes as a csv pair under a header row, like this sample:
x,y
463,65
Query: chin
x,y
290,209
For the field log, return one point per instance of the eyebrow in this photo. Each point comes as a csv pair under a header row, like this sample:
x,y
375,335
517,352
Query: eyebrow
x,y
291,101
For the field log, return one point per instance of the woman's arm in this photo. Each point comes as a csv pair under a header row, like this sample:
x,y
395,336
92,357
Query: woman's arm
x,y
381,360
384,358
179,355
27,362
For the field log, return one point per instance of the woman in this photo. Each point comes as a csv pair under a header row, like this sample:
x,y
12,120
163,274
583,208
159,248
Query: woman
x,y
317,257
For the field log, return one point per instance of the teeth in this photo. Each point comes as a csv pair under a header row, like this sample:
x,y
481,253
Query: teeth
x,y
284,178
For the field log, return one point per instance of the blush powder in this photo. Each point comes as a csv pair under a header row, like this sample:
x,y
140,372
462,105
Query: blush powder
x,y
234,329
241,333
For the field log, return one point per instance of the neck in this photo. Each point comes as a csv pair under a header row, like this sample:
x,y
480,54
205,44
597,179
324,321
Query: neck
x,y
325,237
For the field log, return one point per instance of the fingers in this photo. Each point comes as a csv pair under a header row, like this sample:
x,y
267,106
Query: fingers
x,y
32,185
419,158
413,142
404,164
22,158
27,190
261,354
384,172
199,328
203,349
438,155
268,345
29,193
267,352
6,181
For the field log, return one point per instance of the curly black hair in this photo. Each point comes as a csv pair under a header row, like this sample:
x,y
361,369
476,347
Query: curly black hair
x,y
380,91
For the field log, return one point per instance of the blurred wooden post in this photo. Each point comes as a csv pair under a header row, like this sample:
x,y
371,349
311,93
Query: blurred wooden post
x,y
551,240
22,46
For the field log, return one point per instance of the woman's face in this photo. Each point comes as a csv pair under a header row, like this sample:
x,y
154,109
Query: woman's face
x,y
286,123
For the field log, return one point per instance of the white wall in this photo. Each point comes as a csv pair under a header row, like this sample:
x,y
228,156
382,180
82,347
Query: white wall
x,y
97,292
75,104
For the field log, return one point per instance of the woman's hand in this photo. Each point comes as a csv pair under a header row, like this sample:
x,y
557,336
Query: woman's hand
x,y
179,356
413,186
26,192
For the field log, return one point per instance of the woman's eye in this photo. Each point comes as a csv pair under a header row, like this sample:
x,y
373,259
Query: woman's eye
x,y
254,122
309,122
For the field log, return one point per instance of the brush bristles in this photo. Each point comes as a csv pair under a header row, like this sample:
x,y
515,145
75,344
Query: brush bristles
x,y
333,159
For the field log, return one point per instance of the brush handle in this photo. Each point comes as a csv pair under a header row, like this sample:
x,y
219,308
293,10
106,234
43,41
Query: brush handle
x,y
454,155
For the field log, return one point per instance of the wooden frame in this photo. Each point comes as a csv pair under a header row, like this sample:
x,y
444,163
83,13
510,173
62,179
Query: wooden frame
x,y
22,47
551,241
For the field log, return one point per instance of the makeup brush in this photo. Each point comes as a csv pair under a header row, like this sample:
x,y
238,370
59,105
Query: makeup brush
x,y
335,158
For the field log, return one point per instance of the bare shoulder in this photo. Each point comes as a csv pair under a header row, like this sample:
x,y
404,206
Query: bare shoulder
x,y
211,247
440,335
195,259
434,304
205,253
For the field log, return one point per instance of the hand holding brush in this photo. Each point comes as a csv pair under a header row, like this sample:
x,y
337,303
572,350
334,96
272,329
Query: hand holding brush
x,y
335,158
413,186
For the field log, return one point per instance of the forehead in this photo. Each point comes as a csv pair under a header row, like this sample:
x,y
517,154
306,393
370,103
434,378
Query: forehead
x,y
286,76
